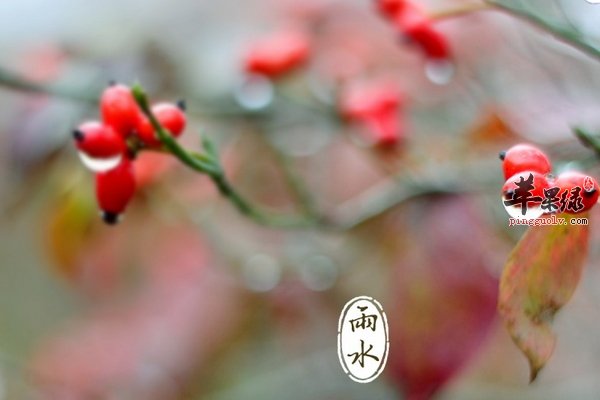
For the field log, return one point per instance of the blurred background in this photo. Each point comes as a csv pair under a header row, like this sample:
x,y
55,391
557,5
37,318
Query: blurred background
x,y
188,299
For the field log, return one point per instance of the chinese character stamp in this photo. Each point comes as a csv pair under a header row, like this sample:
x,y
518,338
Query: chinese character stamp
x,y
363,339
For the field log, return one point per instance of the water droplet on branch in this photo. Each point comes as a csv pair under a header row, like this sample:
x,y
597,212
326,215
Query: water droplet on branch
x,y
439,71
254,92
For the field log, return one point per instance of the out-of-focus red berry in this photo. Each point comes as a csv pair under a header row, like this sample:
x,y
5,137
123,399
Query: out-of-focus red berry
x,y
411,20
378,108
114,190
386,129
119,109
363,100
431,42
406,14
277,54
150,166
390,8
98,140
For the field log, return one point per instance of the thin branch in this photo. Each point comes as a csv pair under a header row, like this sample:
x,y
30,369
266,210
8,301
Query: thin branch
x,y
571,38
397,190
459,11
14,81
208,163
295,183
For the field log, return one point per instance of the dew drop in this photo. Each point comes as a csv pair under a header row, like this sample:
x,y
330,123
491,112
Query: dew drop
x,y
99,164
439,72
318,272
254,92
261,273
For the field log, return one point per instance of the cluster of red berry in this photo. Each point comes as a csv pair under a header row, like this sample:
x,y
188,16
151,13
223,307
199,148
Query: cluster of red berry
x,y
374,105
527,171
413,23
124,131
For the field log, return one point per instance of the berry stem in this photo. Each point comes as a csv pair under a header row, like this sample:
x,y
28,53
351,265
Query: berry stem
x,y
208,163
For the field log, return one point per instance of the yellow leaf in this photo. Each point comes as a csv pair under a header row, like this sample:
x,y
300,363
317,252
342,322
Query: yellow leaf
x,y
68,228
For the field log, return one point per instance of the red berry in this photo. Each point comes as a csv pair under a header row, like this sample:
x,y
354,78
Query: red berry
x,y
414,24
390,8
150,166
114,190
170,116
433,44
539,182
98,140
386,129
119,109
524,157
577,184
363,100
408,15
376,106
277,54
145,131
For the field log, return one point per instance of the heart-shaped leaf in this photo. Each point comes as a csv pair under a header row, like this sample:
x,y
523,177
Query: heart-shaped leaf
x,y
539,278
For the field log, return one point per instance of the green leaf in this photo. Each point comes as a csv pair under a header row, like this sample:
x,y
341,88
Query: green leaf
x,y
210,147
539,278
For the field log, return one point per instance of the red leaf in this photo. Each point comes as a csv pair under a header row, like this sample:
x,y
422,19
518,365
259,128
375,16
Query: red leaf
x,y
444,300
540,277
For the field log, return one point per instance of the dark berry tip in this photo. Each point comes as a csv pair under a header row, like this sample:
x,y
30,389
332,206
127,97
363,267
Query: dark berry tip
x,y
110,218
112,82
502,155
181,104
132,153
78,135
509,193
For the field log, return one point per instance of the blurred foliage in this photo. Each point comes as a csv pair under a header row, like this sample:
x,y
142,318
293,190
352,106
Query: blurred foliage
x,y
189,299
